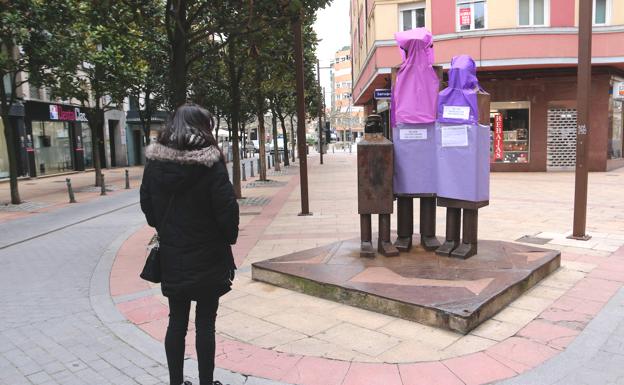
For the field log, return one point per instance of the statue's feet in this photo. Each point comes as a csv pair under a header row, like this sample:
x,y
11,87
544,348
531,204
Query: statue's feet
x,y
446,249
403,244
387,249
429,243
367,250
464,251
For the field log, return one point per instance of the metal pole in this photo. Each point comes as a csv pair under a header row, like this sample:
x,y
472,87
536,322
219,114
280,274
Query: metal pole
x,y
102,185
583,128
251,165
320,112
244,178
301,115
70,191
127,180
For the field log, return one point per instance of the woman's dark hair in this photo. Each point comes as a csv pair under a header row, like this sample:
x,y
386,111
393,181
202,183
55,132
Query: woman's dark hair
x,y
190,128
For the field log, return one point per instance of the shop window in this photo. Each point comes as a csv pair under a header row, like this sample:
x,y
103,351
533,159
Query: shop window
x,y
533,12
412,16
509,132
616,145
471,15
4,155
602,12
53,152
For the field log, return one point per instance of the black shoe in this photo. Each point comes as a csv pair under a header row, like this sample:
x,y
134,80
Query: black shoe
x,y
217,383
187,383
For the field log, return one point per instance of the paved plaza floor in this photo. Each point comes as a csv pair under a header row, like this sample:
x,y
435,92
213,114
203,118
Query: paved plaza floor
x,y
74,310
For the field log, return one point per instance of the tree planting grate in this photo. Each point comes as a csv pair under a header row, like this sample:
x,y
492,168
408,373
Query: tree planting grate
x,y
23,207
284,171
254,201
267,183
533,240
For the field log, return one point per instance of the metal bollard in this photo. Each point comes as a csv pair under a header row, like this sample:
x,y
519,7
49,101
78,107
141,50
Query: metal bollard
x,y
70,191
259,166
333,149
102,185
244,172
268,161
349,148
127,180
251,165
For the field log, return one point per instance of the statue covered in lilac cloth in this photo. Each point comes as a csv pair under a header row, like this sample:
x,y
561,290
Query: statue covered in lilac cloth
x,y
413,116
462,146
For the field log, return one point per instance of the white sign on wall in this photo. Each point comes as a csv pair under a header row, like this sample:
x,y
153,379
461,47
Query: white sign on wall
x,y
455,136
618,91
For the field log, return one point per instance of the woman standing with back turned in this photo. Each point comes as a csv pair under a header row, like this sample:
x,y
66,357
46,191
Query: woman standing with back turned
x,y
186,192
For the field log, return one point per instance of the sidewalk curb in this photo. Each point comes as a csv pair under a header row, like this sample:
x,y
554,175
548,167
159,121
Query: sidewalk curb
x,y
105,309
584,347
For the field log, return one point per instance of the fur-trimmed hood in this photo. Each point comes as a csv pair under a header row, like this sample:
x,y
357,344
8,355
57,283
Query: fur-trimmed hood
x,y
207,156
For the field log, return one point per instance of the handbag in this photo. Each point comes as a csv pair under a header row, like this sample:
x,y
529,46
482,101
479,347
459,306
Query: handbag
x,y
152,271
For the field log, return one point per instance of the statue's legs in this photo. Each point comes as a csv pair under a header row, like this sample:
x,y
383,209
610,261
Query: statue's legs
x,y
405,223
384,246
428,224
453,228
468,247
366,234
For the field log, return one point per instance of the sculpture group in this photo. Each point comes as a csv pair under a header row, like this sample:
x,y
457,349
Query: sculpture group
x,y
439,153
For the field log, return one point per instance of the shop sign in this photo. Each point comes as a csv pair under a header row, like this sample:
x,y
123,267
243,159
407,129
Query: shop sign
x,y
498,137
80,116
618,91
383,93
58,113
464,16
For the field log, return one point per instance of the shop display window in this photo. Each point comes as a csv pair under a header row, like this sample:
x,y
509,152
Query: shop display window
x,y
53,152
509,132
4,155
87,145
615,141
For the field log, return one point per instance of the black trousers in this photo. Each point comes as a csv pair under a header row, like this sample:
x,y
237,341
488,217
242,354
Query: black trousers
x,y
205,317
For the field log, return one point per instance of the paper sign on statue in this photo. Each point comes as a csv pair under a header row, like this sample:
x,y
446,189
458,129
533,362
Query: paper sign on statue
x,y
456,112
413,134
455,136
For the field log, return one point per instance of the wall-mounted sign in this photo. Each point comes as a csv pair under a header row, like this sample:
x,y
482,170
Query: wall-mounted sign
x,y
618,91
54,112
383,93
59,113
80,116
498,137
464,16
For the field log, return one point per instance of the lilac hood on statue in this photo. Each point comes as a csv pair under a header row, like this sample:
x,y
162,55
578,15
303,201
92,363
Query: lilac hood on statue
x,y
415,92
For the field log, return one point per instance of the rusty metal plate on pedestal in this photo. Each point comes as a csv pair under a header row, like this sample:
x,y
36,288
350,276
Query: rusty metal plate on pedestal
x,y
375,170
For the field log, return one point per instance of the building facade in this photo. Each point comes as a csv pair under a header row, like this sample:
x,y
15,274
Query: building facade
x,y
53,136
345,118
526,53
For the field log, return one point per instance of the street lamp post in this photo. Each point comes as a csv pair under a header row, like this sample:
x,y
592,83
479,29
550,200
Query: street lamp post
x,y
583,126
320,112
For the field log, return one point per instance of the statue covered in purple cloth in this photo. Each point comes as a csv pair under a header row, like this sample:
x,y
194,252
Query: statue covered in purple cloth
x,y
462,147
413,116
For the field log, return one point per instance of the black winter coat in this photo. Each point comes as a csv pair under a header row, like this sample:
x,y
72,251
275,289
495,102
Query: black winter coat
x,y
196,238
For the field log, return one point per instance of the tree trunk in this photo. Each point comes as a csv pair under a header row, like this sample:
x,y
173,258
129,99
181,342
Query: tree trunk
x,y
96,123
275,144
10,143
178,51
235,98
260,103
283,124
293,141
